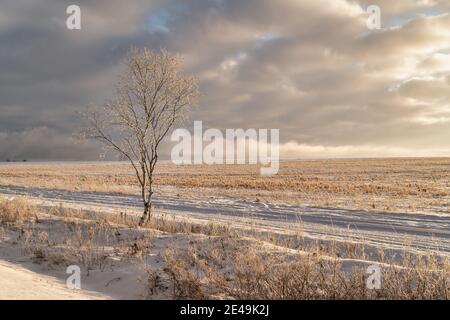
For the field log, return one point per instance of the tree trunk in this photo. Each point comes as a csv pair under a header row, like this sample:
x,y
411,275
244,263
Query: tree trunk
x,y
147,212
147,200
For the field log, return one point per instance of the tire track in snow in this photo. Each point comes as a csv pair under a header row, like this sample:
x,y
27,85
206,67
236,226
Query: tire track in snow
x,y
426,230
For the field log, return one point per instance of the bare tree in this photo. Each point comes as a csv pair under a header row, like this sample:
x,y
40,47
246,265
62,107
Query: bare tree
x,y
151,97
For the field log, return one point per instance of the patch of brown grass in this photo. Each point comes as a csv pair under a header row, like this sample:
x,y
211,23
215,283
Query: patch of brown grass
x,y
232,269
13,212
62,236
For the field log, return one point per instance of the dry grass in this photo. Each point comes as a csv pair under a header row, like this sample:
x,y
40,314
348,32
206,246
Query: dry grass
x,y
15,212
218,261
369,184
59,236
169,224
237,269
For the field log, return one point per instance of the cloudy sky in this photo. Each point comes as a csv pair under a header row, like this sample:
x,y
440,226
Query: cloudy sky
x,y
308,67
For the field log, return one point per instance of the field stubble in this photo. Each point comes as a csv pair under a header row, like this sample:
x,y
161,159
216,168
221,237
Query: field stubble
x,y
390,185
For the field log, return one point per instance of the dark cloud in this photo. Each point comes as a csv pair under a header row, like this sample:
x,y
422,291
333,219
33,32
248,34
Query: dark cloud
x,y
310,68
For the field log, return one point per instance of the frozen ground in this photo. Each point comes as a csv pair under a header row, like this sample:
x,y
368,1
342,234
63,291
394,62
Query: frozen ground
x,y
24,276
421,231
17,281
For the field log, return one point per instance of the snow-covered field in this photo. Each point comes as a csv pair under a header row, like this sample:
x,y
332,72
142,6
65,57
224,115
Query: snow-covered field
x,y
390,232
423,231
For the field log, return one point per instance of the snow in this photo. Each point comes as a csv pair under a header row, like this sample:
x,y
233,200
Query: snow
x,y
19,282
425,232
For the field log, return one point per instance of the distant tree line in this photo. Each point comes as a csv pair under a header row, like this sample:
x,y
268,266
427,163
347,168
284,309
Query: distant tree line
x,y
14,160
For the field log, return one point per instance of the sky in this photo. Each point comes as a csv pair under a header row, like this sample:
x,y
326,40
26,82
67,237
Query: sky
x,y
310,68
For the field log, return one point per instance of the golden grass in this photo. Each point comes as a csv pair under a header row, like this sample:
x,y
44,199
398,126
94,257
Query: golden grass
x,y
368,184
231,268
17,211
59,236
